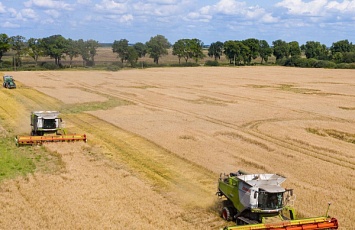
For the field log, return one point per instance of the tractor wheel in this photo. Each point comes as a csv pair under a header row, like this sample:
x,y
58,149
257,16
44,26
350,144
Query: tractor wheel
x,y
227,213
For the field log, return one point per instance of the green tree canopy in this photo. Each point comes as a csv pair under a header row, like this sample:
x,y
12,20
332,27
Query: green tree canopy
x,y
132,56
196,49
295,49
72,50
18,45
281,49
4,44
157,47
121,48
215,50
253,51
235,51
88,50
141,49
180,49
313,49
55,46
265,50
35,49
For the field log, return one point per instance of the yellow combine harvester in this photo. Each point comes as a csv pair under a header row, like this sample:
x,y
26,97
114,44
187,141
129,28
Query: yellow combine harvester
x,y
47,127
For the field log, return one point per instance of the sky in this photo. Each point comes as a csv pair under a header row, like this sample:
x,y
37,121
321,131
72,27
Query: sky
x,y
325,21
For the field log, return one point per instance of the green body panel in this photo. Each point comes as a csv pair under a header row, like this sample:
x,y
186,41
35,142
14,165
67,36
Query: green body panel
x,y
230,190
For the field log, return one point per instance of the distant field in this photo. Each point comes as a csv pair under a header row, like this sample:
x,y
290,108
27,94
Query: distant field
x,y
158,139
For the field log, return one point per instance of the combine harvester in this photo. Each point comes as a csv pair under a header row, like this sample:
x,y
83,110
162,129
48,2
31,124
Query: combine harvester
x,y
257,201
47,127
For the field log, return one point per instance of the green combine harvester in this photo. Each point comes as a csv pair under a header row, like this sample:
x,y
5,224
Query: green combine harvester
x,y
257,201
8,82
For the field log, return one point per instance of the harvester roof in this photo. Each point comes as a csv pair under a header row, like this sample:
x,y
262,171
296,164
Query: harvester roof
x,y
268,182
46,114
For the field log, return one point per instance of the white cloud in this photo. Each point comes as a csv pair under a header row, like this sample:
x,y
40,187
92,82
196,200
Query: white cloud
x,y
169,2
126,18
233,8
229,7
345,6
2,8
53,13
298,7
29,13
49,4
268,18
111,6
84,2
10,25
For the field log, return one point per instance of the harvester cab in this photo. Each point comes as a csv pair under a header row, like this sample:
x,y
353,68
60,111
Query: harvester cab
x,y
46,122
46,126
8,82
258,201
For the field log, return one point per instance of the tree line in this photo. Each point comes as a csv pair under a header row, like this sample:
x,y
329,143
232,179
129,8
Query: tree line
x,y
238,52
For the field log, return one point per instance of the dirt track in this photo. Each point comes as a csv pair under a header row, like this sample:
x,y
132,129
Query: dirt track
x,y
174,132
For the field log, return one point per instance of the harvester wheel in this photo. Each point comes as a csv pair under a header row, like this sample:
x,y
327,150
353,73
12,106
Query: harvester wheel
x,y
227,213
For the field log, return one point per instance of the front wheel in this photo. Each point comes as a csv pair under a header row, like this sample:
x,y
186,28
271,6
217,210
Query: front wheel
x,y
227,213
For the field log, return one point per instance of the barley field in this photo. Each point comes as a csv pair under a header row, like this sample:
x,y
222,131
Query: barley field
x,y
158,139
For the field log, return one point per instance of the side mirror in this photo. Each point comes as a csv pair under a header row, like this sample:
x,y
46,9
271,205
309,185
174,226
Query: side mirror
x,y
255,194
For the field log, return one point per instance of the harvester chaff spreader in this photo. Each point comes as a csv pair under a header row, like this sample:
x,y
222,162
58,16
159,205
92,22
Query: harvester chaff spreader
x,y
46,126
257,201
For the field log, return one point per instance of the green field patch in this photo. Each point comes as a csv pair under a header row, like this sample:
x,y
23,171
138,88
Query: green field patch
x,y
20,161
292,88
112,102
258,86
210,101
343,136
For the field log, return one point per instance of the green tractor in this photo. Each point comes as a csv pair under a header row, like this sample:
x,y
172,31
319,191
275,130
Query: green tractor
x,y
257,201
8,82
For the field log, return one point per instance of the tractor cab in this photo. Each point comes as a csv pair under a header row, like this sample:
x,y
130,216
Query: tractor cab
x,y
8,82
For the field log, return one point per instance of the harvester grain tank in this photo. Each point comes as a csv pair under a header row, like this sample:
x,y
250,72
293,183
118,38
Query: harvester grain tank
x,y
257,201
8,82
46,126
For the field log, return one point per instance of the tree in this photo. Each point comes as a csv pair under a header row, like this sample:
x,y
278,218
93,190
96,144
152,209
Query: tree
x,y
253,45
121,48
294,49
281,49
179,49
87,50
141,49
215,50
4,44
72,50
18,45
264,51
196,49
35,49
92,47
316,50
235,51
132,56
341,47
157,47
55,46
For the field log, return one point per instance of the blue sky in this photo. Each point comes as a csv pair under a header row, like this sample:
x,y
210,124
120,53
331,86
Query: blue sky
x,y
326,21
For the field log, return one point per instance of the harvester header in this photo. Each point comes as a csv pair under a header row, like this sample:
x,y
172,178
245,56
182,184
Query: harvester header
x,y
46,126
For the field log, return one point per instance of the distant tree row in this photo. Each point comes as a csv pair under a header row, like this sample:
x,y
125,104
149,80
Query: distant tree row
x,y
237,52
